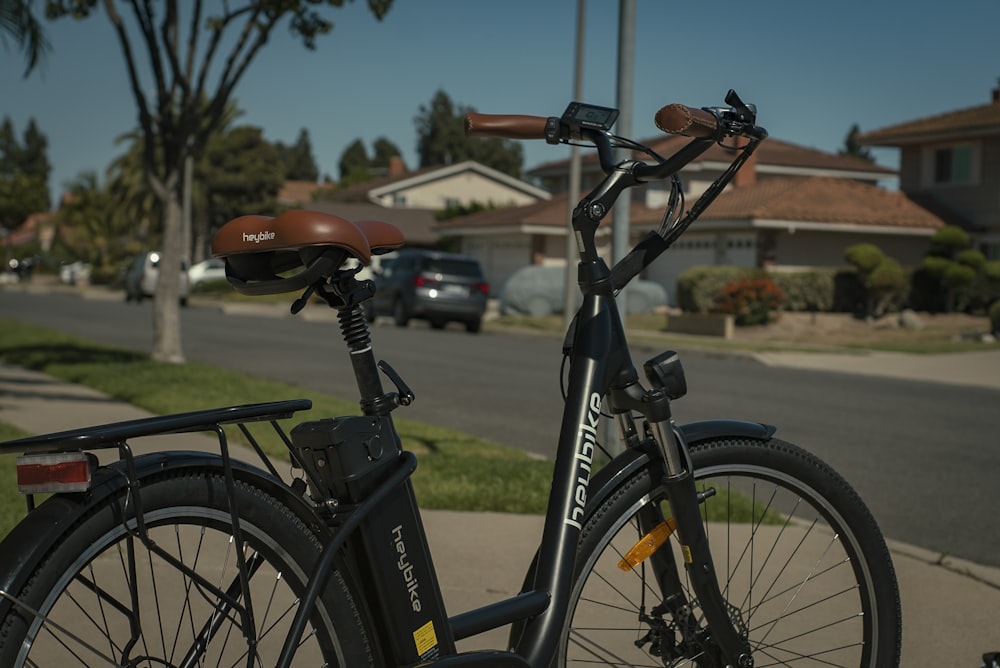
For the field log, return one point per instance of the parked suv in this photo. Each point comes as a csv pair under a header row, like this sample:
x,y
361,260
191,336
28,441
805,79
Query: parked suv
x,y
433,286
142,274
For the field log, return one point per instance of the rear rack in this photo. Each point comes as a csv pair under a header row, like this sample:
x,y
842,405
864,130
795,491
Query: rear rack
x,y
113,434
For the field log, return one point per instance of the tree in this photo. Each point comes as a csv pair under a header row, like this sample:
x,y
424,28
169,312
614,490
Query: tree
x,y
24,173
239,174
441,139
384,151
853,147
177,57
354,165
92,226
297,159
881,277
19,23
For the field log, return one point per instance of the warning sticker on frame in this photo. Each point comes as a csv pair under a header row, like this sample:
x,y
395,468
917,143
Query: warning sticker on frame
x,y
425,639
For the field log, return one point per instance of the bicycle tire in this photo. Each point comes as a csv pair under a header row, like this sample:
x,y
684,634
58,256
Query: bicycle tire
x,y
795,549
91,592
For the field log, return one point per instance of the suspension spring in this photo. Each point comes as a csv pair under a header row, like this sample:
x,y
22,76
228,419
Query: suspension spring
x,y
354,327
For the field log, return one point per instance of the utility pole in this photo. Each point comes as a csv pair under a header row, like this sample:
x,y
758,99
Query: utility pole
x,y
569,304
620,226
626,66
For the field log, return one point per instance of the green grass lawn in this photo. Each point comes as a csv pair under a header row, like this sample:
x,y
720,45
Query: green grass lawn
x,y
456,471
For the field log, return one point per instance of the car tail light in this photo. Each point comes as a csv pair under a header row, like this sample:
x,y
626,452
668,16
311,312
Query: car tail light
x,y
424,282
483,287
55,472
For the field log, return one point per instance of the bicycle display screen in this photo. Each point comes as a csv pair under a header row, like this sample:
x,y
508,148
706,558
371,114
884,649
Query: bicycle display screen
x,y
579,115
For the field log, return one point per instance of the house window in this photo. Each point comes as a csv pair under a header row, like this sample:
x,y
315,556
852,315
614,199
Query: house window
x,y
954,164
399,199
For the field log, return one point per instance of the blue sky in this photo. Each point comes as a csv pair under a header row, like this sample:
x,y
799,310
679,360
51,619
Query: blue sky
x,y
813,68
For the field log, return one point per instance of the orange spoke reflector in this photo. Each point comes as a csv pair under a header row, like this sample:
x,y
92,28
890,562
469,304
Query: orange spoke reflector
x,y
54,472
647,545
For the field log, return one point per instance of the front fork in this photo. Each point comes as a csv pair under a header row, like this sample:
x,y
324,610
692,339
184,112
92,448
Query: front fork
x,y
678,480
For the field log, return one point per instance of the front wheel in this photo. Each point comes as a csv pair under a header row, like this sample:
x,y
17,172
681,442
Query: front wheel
x,y
799,558
171,592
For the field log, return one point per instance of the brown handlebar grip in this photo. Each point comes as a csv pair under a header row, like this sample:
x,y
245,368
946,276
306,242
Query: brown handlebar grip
x,y
678,119
507,126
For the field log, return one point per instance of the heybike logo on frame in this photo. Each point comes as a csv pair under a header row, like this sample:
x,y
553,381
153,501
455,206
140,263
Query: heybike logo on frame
x,y
406,569
257,238
585,457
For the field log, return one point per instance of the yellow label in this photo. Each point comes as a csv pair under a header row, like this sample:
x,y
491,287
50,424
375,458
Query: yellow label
x,y
425,638
687,553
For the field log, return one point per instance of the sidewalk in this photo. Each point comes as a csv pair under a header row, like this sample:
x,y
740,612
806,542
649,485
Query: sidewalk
x,y
950,607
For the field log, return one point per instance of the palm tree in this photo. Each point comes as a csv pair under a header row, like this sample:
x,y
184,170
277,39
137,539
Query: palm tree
x,y
19,23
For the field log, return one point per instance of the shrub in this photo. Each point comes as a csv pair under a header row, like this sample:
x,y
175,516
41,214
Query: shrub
x,y
806,290
698,286
752,299
949,240
866,257
971,258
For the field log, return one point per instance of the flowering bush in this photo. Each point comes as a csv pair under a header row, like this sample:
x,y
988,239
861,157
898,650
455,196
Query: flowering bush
x,y
752,300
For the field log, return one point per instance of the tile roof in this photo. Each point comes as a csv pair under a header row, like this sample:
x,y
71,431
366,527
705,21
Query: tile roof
x,y
417,225
822,200
975,121
358,192
771,153
297,192
816,199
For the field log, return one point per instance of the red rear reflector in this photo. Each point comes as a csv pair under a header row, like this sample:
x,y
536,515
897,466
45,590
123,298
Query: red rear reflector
x,y
57,472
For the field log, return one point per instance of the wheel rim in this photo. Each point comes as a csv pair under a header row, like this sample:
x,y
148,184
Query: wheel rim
x,y
87,615
803,594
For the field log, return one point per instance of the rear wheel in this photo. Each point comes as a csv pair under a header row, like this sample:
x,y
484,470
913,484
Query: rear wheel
x,y
799,559
102,596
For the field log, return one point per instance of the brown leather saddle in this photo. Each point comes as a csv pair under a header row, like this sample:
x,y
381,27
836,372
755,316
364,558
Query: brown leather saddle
x,y
269,255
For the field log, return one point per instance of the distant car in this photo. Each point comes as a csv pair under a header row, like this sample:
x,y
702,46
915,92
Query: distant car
x,y
75,272
433,286
142,275
538,290
212,269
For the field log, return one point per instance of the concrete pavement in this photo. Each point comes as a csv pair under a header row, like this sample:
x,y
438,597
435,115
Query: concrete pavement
x,y
950,607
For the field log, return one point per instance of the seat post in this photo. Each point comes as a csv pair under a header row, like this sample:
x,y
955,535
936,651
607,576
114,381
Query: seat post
x,y
354,328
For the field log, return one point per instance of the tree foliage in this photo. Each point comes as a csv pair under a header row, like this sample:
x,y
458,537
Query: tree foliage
x,y
383,152
24,174
297,160
881,277
354,164
853,147
183,62
441,139
19,23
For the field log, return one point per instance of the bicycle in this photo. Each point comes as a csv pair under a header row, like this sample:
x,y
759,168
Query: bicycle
x,y
707,544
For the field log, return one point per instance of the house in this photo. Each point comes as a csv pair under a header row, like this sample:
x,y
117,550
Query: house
x,y
951,164
439,188
789,207
411,200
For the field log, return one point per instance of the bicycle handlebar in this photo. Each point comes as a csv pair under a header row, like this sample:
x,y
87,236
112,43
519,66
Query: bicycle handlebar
x,y
505,126
679,119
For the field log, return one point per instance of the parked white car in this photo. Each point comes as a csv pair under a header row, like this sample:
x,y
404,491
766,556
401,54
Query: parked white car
x,y
142,275
211,269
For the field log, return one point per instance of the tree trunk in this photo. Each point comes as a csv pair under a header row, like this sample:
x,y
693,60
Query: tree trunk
x,y
166,305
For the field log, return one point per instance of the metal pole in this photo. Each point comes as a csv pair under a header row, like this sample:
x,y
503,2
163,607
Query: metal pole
x,y
620,228
626,65
569,303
